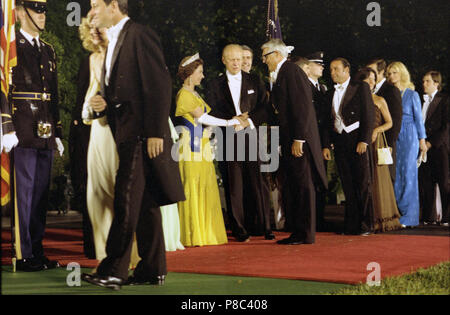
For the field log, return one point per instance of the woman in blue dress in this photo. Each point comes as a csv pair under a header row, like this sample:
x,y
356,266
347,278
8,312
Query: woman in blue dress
x,y
410,140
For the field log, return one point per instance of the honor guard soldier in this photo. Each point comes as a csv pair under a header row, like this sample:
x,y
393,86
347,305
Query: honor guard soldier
x,y
36,121
316,66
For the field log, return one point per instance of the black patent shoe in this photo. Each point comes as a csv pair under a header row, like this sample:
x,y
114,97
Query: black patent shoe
x,y
291,240
269,236
157,280
109,282
29,265
48,264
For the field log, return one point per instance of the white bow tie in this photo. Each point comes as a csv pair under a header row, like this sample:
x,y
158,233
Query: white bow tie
x,y
427,98
339,87
235,77
112,33
273,76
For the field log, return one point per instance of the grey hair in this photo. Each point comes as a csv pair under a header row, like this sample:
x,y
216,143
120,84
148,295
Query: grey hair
x,y
277,44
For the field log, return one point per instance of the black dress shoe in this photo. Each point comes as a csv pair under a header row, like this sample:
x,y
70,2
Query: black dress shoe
x,y
290,241
48,264
157,280
243,238
109,282
29,265
88,276
269,236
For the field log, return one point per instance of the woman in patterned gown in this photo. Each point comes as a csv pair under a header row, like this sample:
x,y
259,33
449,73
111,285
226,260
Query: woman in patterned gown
x,y
412,137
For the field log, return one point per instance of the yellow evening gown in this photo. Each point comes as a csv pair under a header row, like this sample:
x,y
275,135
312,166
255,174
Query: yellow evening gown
x,y
201,218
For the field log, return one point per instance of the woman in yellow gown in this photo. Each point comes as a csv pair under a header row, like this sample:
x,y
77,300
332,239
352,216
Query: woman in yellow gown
x,y
201,218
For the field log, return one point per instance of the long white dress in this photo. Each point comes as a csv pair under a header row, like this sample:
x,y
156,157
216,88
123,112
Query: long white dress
x,y
170,217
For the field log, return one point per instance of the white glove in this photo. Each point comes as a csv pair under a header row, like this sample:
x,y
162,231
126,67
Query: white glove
x,y
87,114
9,141
206,119
60,146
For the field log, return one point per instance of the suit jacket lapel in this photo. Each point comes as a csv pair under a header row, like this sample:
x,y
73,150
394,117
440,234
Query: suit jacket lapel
x,y
244,92
227,92
102,79
117,48
349,93
434,104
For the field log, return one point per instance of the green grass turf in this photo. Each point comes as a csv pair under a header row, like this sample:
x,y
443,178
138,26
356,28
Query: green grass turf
x,y
54,282
431,281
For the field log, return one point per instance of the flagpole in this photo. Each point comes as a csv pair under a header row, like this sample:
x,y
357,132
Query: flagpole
x,y
268,20
12,190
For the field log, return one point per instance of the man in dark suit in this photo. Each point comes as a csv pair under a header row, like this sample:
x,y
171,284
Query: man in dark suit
x,y
435,113
238,93
299,138
136,95
394,101
350,118
35,116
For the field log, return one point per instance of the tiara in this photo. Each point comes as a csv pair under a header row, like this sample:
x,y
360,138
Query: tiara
x,y
191,60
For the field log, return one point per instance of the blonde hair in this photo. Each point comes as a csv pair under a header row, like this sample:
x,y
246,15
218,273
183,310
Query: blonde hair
x,y
85,35
405,77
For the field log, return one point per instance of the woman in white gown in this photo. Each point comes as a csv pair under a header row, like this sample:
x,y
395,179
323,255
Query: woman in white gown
x,y
170,218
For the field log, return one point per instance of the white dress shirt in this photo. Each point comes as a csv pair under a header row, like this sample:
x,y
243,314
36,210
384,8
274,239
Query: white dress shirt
x,y
30,38
339,93
315,83
274,74
113,34
379,85
428,99
235,85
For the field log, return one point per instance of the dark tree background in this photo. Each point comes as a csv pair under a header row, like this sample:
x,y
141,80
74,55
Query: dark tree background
x,y
415,32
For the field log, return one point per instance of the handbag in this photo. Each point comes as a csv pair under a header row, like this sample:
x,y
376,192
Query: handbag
x,y
384,152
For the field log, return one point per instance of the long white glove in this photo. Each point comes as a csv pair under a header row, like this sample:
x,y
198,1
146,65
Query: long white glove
x,y
9,141
87,114
206,119
60,146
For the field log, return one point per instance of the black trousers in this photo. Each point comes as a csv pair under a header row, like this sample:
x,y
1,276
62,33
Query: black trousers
x,y
435,171
356,178
301,207
133,214
248,211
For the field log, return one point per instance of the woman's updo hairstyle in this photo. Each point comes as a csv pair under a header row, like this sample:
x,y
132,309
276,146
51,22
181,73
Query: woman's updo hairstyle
x,y
187,70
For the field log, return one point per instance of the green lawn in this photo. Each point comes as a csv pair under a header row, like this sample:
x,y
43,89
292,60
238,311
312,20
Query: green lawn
x,y
431,281
54,282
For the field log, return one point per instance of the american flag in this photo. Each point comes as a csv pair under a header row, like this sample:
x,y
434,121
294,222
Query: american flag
x,y
8,59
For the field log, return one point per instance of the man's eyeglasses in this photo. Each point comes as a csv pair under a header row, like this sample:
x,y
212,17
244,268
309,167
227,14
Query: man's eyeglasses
x,y
265,56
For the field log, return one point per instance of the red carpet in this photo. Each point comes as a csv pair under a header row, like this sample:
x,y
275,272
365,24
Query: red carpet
x,y
334,258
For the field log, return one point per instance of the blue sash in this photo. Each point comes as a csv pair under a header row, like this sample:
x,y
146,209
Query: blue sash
x,y
196,134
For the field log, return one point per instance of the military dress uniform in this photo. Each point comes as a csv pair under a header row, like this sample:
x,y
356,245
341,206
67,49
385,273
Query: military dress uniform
x,y
36,121
319,101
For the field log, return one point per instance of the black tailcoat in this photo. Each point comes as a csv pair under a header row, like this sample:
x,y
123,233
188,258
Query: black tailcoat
x,y
436,169
138,100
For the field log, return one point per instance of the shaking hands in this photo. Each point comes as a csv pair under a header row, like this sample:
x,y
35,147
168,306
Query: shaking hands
x,y
243,122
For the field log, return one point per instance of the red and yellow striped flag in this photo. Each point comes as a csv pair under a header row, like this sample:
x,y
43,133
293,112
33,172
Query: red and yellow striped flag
x,y
8,59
